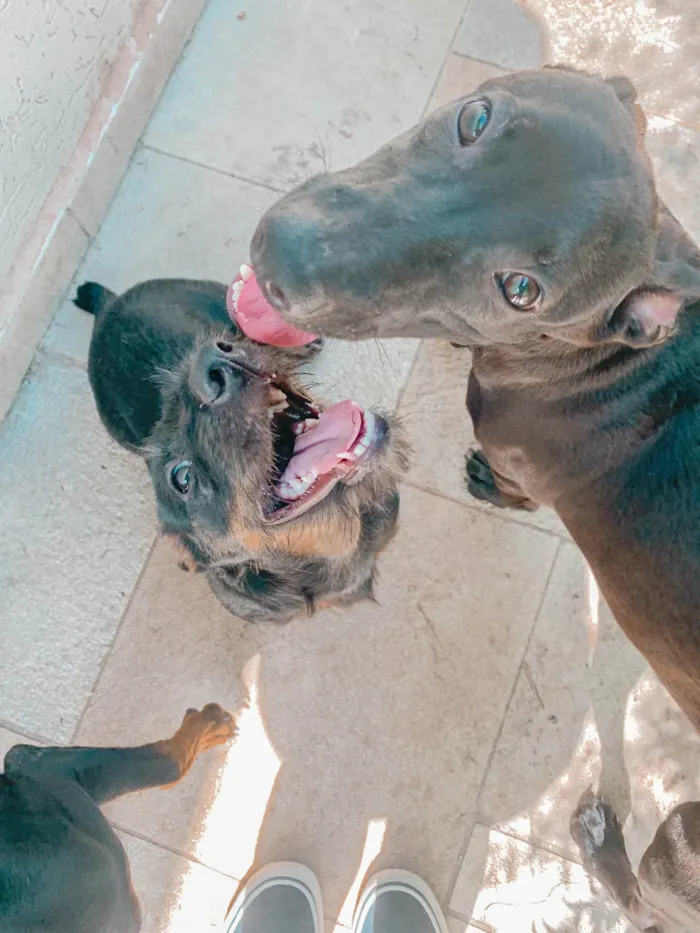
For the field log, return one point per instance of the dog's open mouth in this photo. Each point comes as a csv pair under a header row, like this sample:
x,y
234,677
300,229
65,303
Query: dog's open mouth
x,y
315,449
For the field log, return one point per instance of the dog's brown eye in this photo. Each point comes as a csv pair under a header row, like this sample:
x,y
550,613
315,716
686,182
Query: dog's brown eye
x,y
520,290
181,477
472,122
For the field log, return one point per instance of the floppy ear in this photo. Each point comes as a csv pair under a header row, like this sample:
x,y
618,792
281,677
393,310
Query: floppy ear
x,y
647,316
627,95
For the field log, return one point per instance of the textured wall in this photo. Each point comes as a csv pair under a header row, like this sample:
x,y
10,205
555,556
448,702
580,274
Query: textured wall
x,y
54,58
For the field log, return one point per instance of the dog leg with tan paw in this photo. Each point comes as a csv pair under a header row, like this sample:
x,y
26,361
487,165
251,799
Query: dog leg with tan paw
x,y
106,773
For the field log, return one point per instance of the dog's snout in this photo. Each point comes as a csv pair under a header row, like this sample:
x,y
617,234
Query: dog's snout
x,y
213,379
258,241
276,296
282,252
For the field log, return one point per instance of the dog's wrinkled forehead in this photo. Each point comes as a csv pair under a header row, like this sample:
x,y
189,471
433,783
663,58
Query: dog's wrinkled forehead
x,y
554,184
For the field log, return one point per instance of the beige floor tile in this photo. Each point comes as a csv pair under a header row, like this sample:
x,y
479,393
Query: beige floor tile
x,y
455,925
507,884
8,739
169,218
565,723
434,412
77,522
459,77
199,225
175,894
261,96
502,32
370,728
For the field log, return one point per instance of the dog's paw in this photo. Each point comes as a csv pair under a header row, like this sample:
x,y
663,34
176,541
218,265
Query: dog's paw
x,y
210,726
595,827
480,481
481,484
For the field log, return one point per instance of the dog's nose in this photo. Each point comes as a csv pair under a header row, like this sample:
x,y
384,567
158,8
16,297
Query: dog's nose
x,y
213,379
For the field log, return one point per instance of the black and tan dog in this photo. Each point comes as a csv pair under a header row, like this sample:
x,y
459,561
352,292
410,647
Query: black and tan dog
x,y
283,504
523,221
62,867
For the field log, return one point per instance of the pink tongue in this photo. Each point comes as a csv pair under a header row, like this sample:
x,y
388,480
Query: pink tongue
x,y
336,432
259,320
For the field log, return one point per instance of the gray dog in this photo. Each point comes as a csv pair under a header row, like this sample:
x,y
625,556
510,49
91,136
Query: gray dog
x,y
523,221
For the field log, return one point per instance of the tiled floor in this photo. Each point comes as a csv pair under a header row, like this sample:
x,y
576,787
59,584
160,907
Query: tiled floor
x,y
448,729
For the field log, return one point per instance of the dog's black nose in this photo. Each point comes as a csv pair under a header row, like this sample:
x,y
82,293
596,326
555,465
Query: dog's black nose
x,y
213,378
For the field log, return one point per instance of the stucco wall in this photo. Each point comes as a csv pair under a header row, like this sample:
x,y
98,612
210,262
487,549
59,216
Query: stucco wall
x,y
78,82
55,56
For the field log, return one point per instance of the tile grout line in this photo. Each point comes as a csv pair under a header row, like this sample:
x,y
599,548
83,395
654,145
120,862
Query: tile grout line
x,y
487,768
9,726
115,637
404,386
533,841
483,61
445,59
491,513
71,213
477,924
171,849
47,354
213,168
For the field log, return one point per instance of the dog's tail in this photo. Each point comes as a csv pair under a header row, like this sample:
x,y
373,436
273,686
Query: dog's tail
x,y
92,297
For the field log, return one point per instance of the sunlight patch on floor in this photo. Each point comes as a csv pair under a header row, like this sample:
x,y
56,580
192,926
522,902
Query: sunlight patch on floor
x,y
374,840
229,831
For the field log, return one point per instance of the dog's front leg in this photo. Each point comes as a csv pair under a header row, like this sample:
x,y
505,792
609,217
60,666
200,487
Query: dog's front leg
x,y
484,483
106,773
598,834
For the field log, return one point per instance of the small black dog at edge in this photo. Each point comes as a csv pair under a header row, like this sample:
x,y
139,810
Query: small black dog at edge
x,y
218,419
62,867
522,221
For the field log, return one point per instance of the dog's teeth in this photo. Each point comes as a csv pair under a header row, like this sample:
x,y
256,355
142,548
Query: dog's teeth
x,y
370,423
301,427
246,272
347,455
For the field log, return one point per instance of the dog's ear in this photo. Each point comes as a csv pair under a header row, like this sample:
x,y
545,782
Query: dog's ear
x,y
626,93
647,316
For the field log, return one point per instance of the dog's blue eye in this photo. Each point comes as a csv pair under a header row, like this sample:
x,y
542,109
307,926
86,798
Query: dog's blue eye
x,y
181,477
520,290
472,122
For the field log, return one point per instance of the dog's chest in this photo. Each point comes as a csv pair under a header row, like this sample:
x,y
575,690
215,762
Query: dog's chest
x,y
529,442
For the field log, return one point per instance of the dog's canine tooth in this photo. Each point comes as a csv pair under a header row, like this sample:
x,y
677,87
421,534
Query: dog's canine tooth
x,y
246,272
277,396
